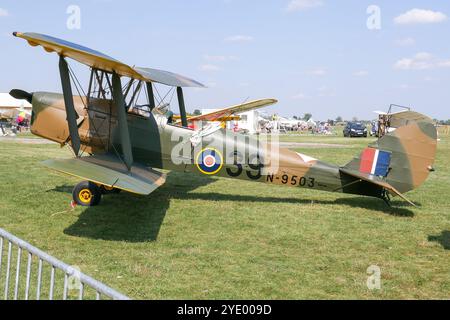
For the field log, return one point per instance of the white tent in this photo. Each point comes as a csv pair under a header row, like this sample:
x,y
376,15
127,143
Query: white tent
x,y
7,103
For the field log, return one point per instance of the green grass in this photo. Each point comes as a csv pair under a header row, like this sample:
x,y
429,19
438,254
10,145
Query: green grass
x,y
198,238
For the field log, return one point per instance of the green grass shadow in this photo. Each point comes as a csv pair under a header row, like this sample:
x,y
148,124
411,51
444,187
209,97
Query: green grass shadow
x,y
130,218
443,239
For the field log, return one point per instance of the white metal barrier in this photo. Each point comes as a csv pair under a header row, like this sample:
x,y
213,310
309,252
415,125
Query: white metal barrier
x,y
73,280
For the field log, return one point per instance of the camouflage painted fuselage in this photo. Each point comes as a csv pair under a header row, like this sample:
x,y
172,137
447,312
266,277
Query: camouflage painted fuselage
x,y
157,144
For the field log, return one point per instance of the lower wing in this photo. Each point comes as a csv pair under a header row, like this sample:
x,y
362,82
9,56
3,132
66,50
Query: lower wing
x,y
109,171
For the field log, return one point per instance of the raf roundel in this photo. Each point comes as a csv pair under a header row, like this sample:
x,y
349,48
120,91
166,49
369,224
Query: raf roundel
x,y
209,161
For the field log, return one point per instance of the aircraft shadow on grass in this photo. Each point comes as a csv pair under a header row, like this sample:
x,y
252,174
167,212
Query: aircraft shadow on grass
x,y
443,239
126,217
132,218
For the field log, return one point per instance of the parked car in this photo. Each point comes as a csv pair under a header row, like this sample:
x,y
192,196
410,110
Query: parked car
x,y
355,129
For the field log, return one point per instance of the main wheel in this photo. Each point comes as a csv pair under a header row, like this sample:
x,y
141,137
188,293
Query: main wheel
x,y
87,194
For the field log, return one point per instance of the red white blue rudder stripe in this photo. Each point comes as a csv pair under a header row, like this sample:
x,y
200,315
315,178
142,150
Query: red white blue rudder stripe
x,y
375,162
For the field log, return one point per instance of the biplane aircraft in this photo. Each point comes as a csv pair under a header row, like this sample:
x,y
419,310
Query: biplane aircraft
x,y
390,121
120,145
222,116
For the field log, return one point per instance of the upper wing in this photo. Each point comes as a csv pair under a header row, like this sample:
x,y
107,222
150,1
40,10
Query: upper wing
x,y
227,112
101,61
107,170
404,118
169,78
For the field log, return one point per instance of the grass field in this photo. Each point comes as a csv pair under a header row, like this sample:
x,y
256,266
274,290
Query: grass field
x,y
202,238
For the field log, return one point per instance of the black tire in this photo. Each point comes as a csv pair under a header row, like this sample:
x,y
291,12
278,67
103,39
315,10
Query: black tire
x,y
87,194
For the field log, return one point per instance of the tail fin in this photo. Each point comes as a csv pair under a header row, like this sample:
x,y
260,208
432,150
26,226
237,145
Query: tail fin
x,y
401,160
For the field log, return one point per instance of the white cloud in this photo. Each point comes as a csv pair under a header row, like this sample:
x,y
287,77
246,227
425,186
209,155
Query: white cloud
x,y
421,61
300,5
300,96
420,16
209,67
219,58
319,72
360,73
239,38
406,42
4,12
444,64
404,86
324,91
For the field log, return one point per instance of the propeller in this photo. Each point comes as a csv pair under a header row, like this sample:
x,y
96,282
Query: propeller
x,y
21,95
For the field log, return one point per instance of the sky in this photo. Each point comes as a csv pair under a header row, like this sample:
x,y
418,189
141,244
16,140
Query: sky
x,y
343,58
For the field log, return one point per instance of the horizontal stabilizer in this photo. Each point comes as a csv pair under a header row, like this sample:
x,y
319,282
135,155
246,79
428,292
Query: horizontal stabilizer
x,y
109,171
376,181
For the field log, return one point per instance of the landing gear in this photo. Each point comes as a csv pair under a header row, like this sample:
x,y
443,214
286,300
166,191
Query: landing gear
x,y
87,194
386,198
109,190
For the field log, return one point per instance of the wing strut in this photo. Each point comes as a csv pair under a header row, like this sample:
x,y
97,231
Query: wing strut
x,y
119,101
151,96
72,115
184,121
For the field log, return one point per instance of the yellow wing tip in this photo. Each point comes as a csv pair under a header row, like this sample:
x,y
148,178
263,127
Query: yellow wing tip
x,y
265,102
268,100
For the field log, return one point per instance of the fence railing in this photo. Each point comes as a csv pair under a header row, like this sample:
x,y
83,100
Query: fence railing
x,y
44,275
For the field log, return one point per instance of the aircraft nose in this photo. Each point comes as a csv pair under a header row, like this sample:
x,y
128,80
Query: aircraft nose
x,y
48,119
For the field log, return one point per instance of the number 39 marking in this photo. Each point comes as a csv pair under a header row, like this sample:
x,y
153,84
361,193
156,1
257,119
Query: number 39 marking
x,y
254,174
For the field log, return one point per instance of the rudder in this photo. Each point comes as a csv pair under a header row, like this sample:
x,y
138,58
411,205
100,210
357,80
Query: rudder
x,y
403,158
